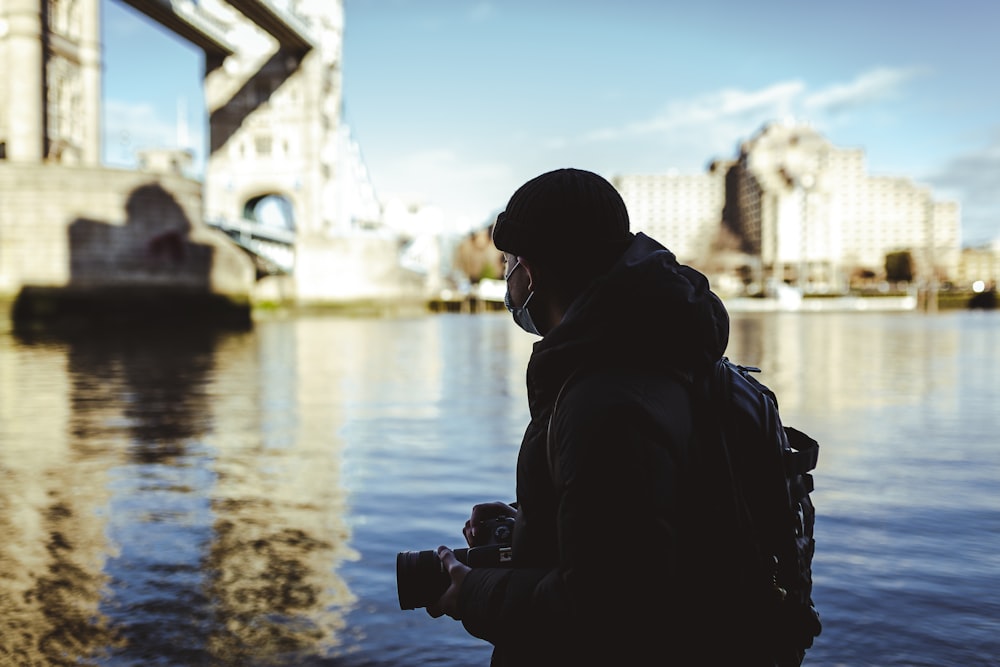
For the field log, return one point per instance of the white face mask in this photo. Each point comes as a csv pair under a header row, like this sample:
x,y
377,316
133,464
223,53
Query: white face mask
x,y
522,317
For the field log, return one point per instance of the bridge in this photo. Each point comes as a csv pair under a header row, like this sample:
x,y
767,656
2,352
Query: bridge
x,y
199,26
272,86
273,248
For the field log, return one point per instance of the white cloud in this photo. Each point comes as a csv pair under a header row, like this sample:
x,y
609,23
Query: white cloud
x,y
729,106
718,118
689,133
867,89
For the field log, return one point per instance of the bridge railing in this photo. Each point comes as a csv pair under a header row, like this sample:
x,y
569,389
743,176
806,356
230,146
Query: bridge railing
x,y
255,230
272,247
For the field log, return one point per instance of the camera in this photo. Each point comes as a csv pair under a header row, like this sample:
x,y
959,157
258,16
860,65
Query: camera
x,y
421,578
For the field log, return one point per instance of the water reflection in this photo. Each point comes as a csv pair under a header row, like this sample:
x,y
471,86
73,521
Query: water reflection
x,y
163,509
201,498
51,501
848,361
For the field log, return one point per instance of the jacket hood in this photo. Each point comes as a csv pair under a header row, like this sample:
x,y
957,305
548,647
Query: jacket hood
x,y
648,311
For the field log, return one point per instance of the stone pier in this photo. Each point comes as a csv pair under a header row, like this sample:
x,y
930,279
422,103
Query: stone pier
x,y
97,243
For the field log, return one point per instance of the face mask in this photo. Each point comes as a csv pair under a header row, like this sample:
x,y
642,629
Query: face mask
x,y
521,315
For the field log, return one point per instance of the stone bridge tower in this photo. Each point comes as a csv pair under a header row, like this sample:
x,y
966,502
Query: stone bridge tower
x,y
274,114
276,135
50,95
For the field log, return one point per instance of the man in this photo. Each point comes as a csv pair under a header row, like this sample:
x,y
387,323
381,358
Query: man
x,y
627,544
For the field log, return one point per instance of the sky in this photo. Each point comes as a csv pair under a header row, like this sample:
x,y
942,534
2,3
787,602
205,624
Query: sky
x,y
454,103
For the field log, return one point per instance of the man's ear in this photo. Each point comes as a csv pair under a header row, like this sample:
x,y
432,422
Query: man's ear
x,y
531,271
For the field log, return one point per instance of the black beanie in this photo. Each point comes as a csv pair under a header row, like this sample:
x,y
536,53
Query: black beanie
x,y
562,212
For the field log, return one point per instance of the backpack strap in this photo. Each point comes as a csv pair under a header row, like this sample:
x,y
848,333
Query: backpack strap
x,y
800,461
550,448
806,451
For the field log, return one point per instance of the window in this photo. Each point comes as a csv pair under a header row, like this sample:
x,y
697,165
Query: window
x,y
262,144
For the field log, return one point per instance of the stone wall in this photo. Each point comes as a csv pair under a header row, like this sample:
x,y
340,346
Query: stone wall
x,y
92,230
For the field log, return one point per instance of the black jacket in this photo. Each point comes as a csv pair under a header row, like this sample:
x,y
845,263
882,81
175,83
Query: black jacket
x,y
621,550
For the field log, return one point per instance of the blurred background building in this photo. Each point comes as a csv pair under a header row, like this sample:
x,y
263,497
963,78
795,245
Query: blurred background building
x,y
793,209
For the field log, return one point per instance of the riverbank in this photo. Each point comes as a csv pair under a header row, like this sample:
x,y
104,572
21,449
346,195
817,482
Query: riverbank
x,y
45,309
811,304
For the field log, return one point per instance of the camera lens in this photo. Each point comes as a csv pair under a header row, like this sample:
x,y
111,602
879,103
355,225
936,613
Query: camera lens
x,y
420,579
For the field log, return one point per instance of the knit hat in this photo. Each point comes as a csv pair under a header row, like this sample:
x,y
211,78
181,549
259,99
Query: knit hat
x,y
562,212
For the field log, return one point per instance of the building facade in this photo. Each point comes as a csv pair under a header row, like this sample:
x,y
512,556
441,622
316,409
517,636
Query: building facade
x,y
681,210
980,267
799,211
274,115
50,106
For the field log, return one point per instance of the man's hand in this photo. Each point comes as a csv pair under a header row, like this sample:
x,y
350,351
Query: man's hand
x,y
480,514
456,569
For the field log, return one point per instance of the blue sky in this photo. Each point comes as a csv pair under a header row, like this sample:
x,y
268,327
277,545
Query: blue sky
x,y
455,103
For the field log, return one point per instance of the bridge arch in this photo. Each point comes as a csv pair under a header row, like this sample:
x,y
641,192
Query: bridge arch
x,y
266,228
272,209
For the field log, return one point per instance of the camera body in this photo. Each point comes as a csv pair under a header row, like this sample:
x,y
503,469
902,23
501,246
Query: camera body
x,y
421,578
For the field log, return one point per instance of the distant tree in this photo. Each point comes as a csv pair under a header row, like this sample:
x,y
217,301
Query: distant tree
x,y
862,277
477,258
899,266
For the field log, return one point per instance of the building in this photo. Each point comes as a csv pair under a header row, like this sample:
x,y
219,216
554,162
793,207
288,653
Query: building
x,y
792,208
979,267
683,210
50,95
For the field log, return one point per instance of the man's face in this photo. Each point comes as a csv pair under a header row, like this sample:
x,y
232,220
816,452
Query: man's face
x,y
518,280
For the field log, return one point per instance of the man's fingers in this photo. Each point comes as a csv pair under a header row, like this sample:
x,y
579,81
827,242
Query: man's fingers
x,y
447,557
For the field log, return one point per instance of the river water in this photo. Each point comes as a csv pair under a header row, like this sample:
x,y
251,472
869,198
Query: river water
x,y
195,498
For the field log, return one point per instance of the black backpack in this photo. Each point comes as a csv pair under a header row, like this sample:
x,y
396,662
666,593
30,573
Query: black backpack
x,y
772,464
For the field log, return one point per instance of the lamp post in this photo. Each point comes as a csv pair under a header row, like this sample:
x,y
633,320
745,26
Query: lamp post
x,y
931,304
806,183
